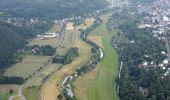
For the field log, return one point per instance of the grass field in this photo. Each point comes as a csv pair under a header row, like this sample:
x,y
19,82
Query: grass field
x,y
41,42
103,86
52,87
31,93
27,67
17,98
6,95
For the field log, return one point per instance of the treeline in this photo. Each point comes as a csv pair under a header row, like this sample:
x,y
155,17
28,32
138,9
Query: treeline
x,y
95,59
68,58
46,50
50,9
11,80
141,76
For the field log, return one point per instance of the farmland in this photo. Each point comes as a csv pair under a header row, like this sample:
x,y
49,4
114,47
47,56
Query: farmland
x,y
100,87
53,42
27,67
33,87
52,88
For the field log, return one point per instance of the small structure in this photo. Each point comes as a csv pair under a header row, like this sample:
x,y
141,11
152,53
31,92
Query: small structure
x,y
165,61
48,36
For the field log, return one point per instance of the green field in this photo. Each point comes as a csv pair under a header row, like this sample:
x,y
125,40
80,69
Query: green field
x,y
31,93
5,96
104,87
27,67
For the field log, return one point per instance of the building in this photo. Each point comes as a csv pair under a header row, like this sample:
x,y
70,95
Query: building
x,y
48,36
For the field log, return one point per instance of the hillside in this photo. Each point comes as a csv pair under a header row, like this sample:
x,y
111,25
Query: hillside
x,y
49,8
10,41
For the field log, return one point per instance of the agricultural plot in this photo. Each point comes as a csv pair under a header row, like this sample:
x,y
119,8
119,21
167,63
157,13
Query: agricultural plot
x,y
27,67
53,42
52,88
33,86
5,88
17,98
100,83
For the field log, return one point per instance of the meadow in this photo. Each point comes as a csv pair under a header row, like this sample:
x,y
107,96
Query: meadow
x,y
100,83
29,65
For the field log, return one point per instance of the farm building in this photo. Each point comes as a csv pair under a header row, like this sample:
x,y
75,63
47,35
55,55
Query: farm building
x,y
48,36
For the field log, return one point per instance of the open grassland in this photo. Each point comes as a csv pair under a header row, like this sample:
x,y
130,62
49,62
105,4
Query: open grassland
x,y
27,67
52,88
96,39
17,98
104,87
100,83
56,28
31,93
53,42
82,85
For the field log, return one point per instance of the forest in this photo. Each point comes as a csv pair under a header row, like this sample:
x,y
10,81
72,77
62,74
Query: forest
x,y
141,77
49,9
12,40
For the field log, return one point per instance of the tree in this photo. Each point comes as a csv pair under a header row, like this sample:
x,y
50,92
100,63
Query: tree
x,y
11,91
59,97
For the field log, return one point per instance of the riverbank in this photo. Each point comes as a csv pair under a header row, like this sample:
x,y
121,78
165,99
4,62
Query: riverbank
x,y
100,84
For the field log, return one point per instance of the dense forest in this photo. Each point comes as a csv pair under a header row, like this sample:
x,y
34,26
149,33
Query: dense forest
x,y
14,38
49,9
10,41
142,77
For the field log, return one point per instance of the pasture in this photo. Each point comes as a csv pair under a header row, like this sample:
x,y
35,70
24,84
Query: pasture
x,y
33,86
100,83
29,65
104,86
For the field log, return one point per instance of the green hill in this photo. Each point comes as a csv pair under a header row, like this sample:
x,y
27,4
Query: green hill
x,y
10,41
49,9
